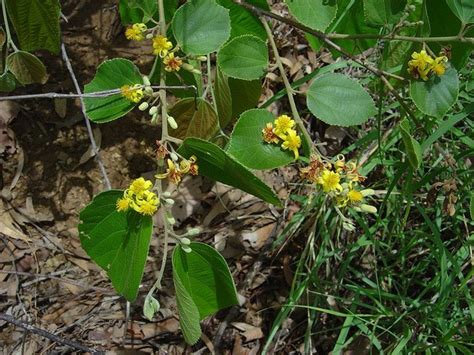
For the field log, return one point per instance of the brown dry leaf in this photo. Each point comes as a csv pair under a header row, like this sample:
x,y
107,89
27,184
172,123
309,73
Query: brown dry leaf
x,y
169,325
258,238
249,331
7,225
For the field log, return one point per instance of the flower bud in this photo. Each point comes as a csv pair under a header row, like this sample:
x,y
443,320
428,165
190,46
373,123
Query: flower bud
x,y
153,110
187,66
169,201
143,106
148,91
186,249
368,208
185,241
367,192
193,232
202,58
173,156
166,194
154,118
149,36
196,71
172,122
146,80
170,220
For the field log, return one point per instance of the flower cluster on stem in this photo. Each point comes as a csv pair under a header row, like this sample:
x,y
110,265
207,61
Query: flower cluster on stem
x,y
283,129
422,65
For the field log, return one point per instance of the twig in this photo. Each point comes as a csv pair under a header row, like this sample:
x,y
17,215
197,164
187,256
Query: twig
x,y
44,333
104,93
86,119
391,37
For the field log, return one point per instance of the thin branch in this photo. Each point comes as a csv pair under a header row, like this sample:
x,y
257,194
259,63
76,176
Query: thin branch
x,y
46,334
86,119
104,93
322,35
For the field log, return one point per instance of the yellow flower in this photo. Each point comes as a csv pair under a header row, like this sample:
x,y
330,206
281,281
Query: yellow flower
x,y
439,65
136,32
354,196
282,124
161,45
172,63
148,204
122,204
329,180
292,142
172,173
132,93
420,65
269,135
139,186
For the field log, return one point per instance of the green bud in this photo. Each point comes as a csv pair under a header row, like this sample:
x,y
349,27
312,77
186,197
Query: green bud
x,y
172,122
185,241
146,80
196,71
202,58
143,106
166,194
169,201
150,307
367,192
173,156
153,110
187,66
193,232
368,208
149,36
186,249
171,220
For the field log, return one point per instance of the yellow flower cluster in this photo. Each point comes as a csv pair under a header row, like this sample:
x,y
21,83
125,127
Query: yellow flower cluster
x,y
340,180
422,65
136,32
176,171
132,93
161,45
139,197
283,128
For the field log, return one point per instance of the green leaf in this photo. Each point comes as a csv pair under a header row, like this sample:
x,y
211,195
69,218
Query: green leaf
x,y
217,165
207,278
188,311
247,146
245,95
412,147
338,100
203,286
150,307
194,121
316,14
463,9
223,98
117,241
36,23
435,96
383,12
242,21
201,26
7,82
111,74
244,57
27,68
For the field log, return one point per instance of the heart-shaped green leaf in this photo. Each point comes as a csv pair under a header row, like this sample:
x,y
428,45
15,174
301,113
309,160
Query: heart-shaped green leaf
x,y
340,101
435,96
111,74
217,165
242,21
244,57
247,146
117,241
201,26
317,14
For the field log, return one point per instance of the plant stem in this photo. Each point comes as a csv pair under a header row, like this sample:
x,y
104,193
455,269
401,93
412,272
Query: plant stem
x,y
289,90
209,82
7,28
164,108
